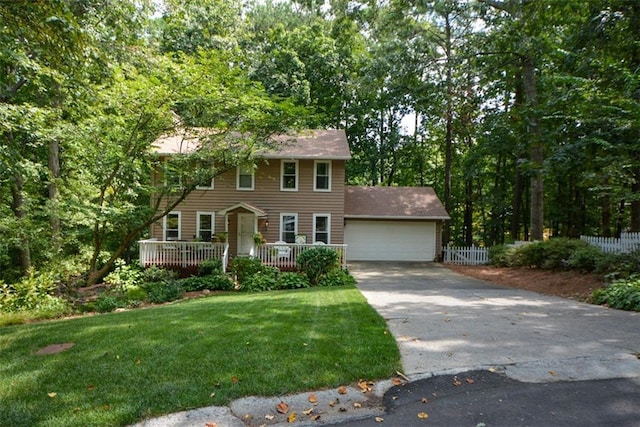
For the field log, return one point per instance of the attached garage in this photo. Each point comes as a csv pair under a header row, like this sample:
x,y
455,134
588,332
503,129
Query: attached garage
x,y
393,223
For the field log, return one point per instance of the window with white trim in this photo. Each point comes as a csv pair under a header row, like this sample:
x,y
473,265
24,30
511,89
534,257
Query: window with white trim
x,y
172,176
322,175
205,222
288,227
321,228
172,226
289,175
206,179
246,177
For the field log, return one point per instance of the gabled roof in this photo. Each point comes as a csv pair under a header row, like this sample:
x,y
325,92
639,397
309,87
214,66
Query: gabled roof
x,y
329,144
246,206
393,203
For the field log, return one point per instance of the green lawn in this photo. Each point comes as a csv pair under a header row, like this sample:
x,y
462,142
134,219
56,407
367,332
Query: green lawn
x,y
131,365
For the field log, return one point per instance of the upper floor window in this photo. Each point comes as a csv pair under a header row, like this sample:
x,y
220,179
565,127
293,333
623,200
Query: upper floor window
x,y
289,175
172,226
322,176
321,228
205,225
205,178
246,177
288,227
172,178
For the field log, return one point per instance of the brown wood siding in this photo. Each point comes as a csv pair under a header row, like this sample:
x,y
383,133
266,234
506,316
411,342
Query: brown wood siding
x,y
268,197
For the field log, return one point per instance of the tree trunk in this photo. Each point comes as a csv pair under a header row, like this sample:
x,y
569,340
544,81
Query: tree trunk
x,y
17,206
448,156
54,171
536,149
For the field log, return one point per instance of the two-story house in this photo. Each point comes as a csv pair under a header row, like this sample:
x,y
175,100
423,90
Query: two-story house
x,y
297,195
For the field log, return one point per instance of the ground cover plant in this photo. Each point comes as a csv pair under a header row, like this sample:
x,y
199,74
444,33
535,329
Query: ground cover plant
x,y
134,364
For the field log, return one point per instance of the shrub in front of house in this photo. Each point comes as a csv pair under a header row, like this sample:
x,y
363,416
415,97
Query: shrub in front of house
x,y
34,293
211,282
589,259
500,255
210,267
260,281
552,254
317,262
292,280
164,291
244,267
337,277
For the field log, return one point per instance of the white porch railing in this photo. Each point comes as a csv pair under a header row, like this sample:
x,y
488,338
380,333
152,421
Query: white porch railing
x,y
284,256
628,242
473,255
181,254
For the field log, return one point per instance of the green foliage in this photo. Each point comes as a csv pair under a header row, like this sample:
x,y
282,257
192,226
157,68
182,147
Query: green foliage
x,y
157,274
620,266
32,293
260,281
124,276
292,280
550,254
164,291
317,262
212,282
589,259
245,267
209,267
337,277
108,302
623,294
500,255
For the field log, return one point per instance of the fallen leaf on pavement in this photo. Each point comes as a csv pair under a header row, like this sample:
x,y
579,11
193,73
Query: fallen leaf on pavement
x,y
308,411
379,419
365,386
425,400
342,390
357,405
211,425
456,382
469,381
291,418
269,417
396,381
313,398
282,407
423,415
552,373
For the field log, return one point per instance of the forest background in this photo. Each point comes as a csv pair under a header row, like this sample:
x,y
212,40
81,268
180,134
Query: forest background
x,y
523,115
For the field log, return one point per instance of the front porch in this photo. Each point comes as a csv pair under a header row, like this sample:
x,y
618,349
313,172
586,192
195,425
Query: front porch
x,y
187,256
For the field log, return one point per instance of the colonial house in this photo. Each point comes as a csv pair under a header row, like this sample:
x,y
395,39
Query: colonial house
x,y
295,198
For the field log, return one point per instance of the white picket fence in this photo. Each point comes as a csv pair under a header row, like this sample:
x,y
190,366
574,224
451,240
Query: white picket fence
x,y
473,255
628,242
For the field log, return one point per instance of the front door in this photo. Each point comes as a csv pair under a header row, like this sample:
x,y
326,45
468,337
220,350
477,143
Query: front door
x,y
246,229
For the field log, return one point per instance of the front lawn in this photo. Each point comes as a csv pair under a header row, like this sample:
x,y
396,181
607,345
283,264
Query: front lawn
x,y
126,366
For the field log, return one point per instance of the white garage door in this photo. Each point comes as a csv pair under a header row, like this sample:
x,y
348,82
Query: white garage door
x,y
390,240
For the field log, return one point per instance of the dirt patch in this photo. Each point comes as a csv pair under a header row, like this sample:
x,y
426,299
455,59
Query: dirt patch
x,y
55,348
567,284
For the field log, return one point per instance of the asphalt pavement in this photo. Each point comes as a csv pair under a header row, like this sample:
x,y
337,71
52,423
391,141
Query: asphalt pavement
x,y
474,354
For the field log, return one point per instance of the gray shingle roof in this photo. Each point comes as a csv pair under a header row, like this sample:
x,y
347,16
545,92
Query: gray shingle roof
x,y
330,144
393,203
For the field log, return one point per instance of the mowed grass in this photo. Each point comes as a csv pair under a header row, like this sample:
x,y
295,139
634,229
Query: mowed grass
x,y
130,365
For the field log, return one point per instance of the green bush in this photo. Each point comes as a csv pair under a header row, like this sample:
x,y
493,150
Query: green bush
x,y
215,282
264,280
317,262
622,294
589,259
550,254
210,267
245,267
124,276
157,274
337,277
291,280
499,255
106,303
32,293
164,291
621,266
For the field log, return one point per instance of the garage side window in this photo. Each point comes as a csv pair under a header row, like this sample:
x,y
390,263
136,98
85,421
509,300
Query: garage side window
x,y
321,228
171,226
288,227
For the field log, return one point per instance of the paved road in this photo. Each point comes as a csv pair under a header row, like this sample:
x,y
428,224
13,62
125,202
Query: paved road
x,y
482,354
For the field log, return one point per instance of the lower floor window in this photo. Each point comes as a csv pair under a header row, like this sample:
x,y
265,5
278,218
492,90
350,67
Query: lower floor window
x,y
205,221
321,228
288,227
171,226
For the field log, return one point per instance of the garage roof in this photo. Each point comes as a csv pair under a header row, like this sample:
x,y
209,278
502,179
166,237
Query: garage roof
x,y
393,203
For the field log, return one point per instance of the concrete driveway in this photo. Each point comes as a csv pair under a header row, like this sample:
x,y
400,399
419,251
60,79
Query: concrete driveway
x,y
447,323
